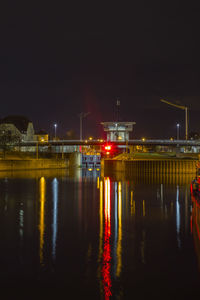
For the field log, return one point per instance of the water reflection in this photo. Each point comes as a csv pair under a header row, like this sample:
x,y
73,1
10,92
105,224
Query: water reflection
x,y
119,227
116,228
151,178
21,222
186,208
195,226
106,276
143,210
105,232
42,184
100,221
33,174
21,230
120,235
55,213
178,222
132,204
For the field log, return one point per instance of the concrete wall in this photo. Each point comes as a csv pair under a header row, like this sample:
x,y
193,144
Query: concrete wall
x,y
75,159
142,167
31,164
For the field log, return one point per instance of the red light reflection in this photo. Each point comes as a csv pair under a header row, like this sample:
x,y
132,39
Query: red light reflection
x,y
107,248
195,217
195,225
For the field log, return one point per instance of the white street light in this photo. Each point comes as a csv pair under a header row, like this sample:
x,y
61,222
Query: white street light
x,y
178,128
186,114
55,126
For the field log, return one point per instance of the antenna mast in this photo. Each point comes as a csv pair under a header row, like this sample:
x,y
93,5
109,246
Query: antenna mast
x,y
118,105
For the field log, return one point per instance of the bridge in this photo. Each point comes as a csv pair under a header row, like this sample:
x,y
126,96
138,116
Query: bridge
x,y
91,157
136,142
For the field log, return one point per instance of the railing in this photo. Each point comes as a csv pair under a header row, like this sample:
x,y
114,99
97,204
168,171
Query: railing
x,y
158,142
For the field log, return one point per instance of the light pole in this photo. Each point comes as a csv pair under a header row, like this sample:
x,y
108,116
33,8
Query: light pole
x,y
55,126
186,114
81,116
178,128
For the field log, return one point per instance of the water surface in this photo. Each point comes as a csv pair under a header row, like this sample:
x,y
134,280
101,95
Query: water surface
x,y
99,237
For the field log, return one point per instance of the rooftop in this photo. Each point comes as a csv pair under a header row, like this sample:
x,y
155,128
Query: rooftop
x,y
20,122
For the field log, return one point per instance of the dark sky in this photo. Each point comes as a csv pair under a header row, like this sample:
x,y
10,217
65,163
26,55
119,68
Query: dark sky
x,y
56,61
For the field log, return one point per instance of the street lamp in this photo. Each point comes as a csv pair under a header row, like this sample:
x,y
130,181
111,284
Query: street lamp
x,y
186,114
178,128
81,116
55,126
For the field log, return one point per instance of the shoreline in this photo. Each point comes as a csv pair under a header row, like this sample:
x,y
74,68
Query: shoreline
x,y
33,164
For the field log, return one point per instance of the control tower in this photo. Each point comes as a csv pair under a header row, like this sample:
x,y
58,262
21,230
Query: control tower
x,y
118,131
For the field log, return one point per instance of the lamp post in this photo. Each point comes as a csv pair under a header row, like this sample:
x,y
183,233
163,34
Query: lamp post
x,y
55,126
186,115
81,116
178,128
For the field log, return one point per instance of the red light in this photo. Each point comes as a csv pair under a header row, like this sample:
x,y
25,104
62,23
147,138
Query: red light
x,y
108,147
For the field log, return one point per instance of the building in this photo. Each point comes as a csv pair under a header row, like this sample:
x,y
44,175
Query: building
x,y
118,131
18,126
42,136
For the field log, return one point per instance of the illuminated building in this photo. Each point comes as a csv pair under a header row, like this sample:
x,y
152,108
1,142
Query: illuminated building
x,y
118,131
18,126
42,136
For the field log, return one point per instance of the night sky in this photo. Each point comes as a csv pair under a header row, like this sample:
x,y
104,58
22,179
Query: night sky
x,y
57,61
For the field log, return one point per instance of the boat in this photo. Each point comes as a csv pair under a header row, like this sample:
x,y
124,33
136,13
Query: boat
x,y
195,184
195,212
195,187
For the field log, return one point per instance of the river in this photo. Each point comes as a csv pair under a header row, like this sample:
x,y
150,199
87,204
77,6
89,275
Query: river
x,y
98,237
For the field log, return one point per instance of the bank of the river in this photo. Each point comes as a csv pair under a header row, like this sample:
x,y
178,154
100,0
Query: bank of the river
x,y
32,164
150,164
156,155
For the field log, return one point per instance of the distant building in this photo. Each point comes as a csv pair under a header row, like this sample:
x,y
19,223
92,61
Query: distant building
x,y
18,126
118,131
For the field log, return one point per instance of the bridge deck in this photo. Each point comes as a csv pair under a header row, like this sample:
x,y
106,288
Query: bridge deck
x,y
99,143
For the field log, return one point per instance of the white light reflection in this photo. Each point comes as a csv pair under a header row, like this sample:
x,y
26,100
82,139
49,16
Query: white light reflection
x,y
119,240
21,222
186,209
42,185
116,230
55,213
161,197
178,217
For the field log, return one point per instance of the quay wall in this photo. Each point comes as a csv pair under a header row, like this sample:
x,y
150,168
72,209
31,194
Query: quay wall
x,y
32,164
153,166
